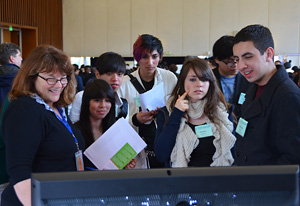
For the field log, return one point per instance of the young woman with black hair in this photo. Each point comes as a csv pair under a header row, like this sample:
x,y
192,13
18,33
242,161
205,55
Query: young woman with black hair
x,y
97,114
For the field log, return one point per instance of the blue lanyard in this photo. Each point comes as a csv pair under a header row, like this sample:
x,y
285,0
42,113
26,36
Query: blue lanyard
x,y
64,121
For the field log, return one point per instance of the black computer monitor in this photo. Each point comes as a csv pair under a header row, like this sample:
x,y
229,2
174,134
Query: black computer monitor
x,y
249,185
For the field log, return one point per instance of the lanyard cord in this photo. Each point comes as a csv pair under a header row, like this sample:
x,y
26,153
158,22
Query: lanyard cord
x,y
64,121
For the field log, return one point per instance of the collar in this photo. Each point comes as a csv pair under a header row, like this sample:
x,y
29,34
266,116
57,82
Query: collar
x,y
278,77
41,101
256,105
10,64
157,76
227,78
118,99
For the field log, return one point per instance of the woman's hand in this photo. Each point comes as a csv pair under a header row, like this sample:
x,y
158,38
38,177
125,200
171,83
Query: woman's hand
x,y
182,104
23,191
131,164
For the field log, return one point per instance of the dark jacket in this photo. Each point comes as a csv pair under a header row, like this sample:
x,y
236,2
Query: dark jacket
x,y
272,135
36,142
241,86
7,75
3,172
79,83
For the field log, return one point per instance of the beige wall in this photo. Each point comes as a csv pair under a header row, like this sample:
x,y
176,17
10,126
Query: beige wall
x,y
186,27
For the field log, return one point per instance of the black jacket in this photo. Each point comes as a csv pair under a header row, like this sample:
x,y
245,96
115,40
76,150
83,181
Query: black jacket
x,y
7,75
272,135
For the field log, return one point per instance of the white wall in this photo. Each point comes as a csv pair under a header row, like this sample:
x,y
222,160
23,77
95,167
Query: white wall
x,y
186,27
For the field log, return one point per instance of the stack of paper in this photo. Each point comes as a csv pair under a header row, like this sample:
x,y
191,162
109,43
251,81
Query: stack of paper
x,y
116,147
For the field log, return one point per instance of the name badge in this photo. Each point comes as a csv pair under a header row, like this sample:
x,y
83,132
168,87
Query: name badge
x,y
116,111
242,98
203,131
137,102
241,127
79,161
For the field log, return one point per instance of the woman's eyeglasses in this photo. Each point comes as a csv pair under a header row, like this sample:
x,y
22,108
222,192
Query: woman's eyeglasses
x,y
53,81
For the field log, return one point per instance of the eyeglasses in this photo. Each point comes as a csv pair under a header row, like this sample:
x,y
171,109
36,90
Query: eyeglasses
x,y
53,81
230,63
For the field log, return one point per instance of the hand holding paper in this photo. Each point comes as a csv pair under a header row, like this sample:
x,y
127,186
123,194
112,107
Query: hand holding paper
x,y
153,98
116,147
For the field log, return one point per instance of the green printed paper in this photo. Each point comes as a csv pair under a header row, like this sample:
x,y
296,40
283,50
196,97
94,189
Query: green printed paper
x,y
123,156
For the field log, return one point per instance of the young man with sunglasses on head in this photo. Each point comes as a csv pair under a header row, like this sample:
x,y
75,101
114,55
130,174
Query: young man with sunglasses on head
x,y
233,85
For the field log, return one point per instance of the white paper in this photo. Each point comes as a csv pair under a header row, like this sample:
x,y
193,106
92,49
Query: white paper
x,y
153,98
105,147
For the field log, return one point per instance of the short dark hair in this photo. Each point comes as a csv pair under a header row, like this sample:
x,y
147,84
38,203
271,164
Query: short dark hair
x,y
287,64
7,50
76,67
222,48
146,43
110,62
260,35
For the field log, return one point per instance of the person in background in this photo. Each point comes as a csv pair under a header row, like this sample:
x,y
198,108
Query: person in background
x,y
173,68
147,51
37,133
163,65
10,63
296,74
87,75
111,68
233,85
288,69
287,65
278,62
295,69
298,83
193,129
212,63
79,86
97,114
128,69
266,132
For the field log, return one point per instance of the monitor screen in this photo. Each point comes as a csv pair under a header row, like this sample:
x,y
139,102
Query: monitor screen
x,y
247,185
